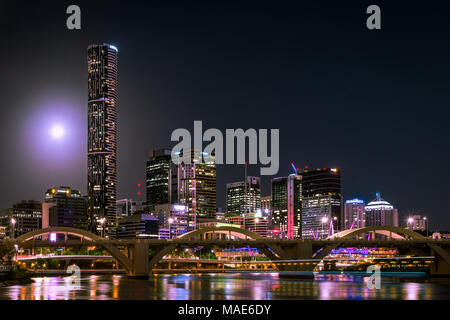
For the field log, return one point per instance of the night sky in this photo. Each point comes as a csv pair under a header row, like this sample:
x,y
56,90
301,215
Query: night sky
x,y
373,103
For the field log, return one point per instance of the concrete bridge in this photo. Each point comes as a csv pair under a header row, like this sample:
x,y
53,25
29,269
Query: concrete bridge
x,y
134,255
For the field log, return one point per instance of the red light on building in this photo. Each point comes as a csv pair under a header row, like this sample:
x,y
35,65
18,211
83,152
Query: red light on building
x,y
139,193
276,231
139,185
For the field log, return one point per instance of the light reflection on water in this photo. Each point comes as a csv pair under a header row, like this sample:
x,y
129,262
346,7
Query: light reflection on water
x,y
225,287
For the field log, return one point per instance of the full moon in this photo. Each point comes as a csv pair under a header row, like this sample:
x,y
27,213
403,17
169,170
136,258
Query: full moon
x,y
57,132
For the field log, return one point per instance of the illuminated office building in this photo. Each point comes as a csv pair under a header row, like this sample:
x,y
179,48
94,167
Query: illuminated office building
x,y
3,232
417,222
379,212
102,138
236,221
266,205
71,206
196,187
354,214
138,226
158,177
321,203
287,206
242,198
257,223
27,215
172,218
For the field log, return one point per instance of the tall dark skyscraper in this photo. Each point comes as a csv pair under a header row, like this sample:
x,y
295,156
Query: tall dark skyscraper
x,y
321,203
287,205
158,177
102,138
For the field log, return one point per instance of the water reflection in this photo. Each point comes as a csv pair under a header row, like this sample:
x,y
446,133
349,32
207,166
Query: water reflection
x,y
225,287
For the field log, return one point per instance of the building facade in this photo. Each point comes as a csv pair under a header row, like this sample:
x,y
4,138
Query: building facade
x,y
158,177
236,221
266,205
379,212
257,223
354,214
417,223
128,207
138,226
67,198
322,208
196,186
173,219
102,138
244,198
26,216
287,206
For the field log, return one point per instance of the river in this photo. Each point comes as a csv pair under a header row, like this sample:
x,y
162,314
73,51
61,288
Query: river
x,y
225,286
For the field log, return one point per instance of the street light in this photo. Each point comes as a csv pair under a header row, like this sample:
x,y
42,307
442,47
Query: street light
x,y
13,223
102,222
410,221
426,224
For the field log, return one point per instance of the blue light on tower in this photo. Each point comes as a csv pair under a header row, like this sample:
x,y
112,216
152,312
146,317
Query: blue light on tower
x,y
114,48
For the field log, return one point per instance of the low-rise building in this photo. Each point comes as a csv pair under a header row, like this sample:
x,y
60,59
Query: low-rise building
x,y
140,226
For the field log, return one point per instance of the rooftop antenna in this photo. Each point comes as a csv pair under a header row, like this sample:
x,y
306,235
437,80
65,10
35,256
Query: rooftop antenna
x,y
293,167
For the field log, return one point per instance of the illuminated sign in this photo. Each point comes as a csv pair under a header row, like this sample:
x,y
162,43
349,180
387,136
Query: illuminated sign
x,y
355,201
53,237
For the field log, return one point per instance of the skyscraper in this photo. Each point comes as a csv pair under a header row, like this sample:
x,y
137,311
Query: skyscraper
x,y
321,203
244,199
158,177
379,212
287,205
354,214
196,186
266,205
70,199
102,137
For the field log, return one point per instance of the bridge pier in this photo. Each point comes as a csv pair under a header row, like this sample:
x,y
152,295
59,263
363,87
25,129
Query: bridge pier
x,y
139,260
441,266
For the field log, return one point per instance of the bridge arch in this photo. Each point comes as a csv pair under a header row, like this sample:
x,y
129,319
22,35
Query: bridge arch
x,y
388,231
84,235
238,232
65,230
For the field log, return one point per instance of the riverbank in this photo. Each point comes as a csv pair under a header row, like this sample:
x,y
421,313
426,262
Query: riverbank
x,y
14,278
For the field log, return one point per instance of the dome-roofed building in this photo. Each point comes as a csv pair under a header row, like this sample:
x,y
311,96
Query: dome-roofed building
x,y
379,212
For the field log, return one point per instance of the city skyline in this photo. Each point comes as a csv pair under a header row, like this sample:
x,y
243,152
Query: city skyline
x,y
391,163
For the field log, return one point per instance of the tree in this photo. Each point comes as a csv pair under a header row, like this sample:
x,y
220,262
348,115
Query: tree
x,y
6,253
